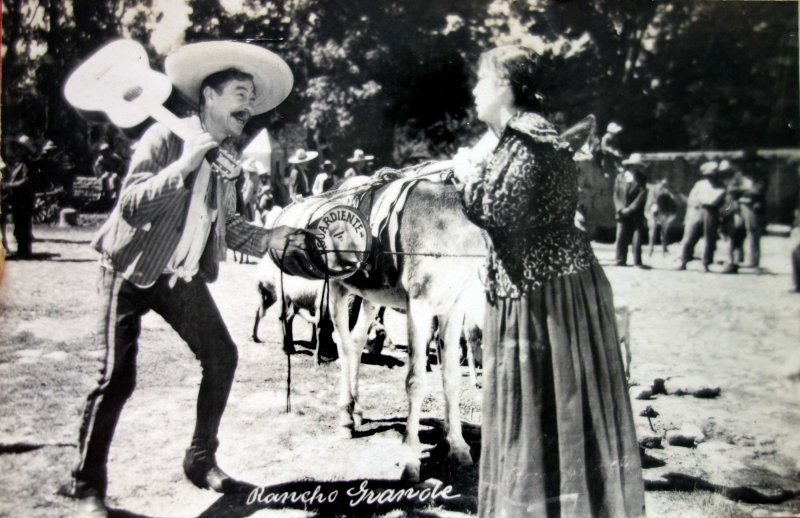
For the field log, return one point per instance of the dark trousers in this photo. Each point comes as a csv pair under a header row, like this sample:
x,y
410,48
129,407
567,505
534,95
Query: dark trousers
x,y
702,223
23,230
752,225
630,230
190,310
734,228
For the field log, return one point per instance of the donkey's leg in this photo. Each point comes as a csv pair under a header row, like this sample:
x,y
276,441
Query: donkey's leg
x,y
452,325
267,299
420,320
351,345
339,313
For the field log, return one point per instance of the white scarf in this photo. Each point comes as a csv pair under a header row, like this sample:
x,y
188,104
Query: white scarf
x,y
185,261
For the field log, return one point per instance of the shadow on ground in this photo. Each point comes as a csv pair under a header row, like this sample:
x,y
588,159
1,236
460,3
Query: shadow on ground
x,y
444,486
748,495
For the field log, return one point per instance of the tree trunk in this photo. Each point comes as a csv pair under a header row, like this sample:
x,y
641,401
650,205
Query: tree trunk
x,y
10,61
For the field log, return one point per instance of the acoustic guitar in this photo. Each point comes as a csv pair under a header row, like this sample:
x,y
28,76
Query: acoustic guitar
x,y
118,81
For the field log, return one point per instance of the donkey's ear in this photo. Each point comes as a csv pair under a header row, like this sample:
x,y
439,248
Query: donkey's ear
x,y
580,133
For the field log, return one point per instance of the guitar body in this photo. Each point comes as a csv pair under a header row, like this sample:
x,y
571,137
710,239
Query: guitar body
x,y
110,76
118,81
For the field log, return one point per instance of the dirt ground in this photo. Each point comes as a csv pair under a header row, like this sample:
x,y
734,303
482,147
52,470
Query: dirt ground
x,y
739,333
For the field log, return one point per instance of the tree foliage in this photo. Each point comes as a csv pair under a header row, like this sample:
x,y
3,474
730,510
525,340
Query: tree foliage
x,y
394,77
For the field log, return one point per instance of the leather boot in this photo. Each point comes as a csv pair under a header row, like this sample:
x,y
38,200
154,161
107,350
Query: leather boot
x,y
89,502
91,507
200,467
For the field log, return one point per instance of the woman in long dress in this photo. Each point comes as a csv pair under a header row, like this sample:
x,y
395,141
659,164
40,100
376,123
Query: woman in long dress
x,y
557,435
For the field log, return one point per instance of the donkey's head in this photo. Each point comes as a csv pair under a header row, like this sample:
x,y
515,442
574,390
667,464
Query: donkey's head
x,y
580,133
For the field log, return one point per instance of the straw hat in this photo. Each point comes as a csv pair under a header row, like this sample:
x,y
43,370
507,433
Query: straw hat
x,y
635,160
725,166
188,66
709,168
328,167
255,166
301,156
359,156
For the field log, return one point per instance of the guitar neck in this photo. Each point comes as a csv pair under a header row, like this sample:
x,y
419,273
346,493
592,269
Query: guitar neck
x,y
222,162
168,119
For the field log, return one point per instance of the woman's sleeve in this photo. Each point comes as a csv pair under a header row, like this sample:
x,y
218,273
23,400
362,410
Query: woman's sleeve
x,y
504,198
472,197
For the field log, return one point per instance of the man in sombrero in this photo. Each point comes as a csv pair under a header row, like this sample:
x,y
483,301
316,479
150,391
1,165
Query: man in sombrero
x,y
359,164
297,184
163,243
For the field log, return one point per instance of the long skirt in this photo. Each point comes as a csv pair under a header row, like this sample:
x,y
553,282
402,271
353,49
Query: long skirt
x,y
557,436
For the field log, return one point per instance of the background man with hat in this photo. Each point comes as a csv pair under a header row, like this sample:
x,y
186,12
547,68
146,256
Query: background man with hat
x,y
630,195
298,185
19,191
359,164
702,214
255,188
325,179
610,155
748,188
731,225
164,241
108,169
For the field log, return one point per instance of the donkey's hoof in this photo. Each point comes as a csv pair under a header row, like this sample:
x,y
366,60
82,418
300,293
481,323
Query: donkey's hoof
x,y
411,472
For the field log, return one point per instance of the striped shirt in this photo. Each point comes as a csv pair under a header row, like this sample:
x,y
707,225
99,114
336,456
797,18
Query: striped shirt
x,y
144,229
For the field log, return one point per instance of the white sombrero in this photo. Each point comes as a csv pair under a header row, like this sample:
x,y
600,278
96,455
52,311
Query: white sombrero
x,y
188,66
253,165
302,156
635,160
708,168
359,156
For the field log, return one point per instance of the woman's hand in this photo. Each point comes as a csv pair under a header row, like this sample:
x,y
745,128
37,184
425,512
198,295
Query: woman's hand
x,y
464,167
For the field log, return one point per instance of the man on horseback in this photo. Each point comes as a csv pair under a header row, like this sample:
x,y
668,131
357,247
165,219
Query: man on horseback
x,y
163,243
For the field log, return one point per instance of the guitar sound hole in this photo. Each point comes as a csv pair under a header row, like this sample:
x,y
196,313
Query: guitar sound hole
x,y
132,93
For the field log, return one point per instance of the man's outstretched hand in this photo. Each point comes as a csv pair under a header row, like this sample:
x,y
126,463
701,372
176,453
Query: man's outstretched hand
x,y
288,238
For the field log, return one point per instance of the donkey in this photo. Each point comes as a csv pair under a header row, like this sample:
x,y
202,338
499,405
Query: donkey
x,y
430,270
661,209
440,280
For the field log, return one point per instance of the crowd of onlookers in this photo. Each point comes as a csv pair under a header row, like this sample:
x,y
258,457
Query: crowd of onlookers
x,y
32,167
727,202
260,190
28,168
